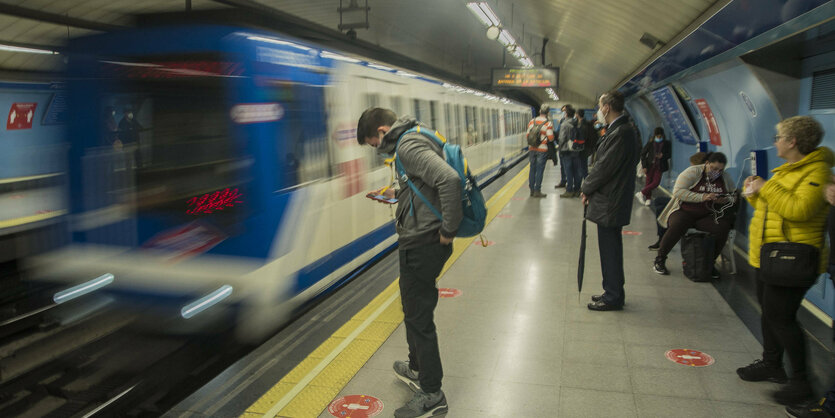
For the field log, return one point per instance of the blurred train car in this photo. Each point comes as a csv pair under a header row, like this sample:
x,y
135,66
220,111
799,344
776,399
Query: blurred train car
x,y
214,170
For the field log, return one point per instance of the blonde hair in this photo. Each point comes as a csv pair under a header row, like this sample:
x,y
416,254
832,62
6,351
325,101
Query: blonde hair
x,y
806,131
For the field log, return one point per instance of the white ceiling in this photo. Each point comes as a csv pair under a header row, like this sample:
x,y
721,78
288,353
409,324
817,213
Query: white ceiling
x,y
595,43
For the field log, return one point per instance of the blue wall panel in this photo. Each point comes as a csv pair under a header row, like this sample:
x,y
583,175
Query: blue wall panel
x,y
28,152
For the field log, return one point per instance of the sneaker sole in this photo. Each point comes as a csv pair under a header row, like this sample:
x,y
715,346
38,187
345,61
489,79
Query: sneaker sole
x,y
770,379
409,382
661,272
438,410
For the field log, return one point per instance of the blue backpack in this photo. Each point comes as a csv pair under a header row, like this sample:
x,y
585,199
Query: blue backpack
x,y
472,201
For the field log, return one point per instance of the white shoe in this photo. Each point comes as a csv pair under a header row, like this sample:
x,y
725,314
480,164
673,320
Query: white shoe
x,y
648,202
641,198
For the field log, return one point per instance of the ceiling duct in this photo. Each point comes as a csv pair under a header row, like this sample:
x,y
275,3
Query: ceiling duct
x,y
650,41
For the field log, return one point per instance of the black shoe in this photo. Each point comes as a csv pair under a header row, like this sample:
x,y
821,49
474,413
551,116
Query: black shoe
x,y
714,274
600,305
794,392
813,409
659,267
559,186
760,371
656,246
596,298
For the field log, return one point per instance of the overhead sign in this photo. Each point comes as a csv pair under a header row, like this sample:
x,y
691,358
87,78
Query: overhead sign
x,y
669,107
526,77
20,116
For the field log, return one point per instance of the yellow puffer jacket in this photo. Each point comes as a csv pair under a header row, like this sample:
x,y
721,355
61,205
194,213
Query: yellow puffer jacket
x,y
796,207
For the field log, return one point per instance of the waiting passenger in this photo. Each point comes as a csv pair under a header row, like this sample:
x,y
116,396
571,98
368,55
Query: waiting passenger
x,y
702,196
659,203
655,161
788,207
425,245
607,192
569,157
539,154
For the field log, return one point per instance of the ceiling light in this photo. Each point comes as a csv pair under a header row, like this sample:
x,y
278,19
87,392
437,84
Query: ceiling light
x,y
506,39
484,13
28,50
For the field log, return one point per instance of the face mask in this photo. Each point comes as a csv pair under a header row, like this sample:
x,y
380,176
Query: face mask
x,y
713,175
600,116
658,139
598,125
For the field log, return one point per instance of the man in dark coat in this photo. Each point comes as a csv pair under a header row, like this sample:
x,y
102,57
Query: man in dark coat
x,y
608,193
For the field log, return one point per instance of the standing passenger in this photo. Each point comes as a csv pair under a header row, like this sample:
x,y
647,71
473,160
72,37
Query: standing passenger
x,y
788,207
655,161
569,158
425,245
539,154
608,193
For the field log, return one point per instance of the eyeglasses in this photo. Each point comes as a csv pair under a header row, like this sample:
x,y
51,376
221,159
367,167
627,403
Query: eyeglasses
x,y
777,137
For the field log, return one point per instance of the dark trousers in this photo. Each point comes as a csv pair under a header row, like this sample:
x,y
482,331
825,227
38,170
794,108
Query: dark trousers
x,y
653,180
658,205
680,221
419,267
779,325
610,241
584,166
573,171
562,171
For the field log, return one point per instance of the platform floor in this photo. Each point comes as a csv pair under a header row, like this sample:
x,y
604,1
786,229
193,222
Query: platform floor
x,y
519,340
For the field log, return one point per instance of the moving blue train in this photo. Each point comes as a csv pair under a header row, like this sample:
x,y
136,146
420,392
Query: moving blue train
x,y
214,170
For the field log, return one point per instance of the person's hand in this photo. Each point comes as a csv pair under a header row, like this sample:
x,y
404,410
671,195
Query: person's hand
x,y
756,184
388,192
829,193
644,170
584,199
659,155
709,196
445,240
724,199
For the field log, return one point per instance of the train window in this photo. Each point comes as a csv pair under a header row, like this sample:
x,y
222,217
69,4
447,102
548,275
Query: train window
x,y
459,121
485,125
301,142
397,105
433,114
448,123
495,124
372,100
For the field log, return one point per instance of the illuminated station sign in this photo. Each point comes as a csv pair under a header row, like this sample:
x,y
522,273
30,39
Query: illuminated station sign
x,y
525,77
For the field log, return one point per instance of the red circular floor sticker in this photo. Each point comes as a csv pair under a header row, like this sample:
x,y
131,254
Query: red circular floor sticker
x,y
355,406
689,357
630,232
448,293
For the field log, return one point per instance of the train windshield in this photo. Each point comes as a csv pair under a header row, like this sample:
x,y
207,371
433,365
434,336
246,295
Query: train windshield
x,y
173,126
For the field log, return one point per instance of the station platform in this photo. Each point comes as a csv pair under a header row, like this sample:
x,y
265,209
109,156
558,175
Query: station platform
x,y
517,340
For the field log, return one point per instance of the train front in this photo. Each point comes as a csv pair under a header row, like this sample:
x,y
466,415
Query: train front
x,y
176,178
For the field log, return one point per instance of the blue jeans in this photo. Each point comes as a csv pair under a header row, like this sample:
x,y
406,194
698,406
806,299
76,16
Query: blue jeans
x,y
573,170
538,160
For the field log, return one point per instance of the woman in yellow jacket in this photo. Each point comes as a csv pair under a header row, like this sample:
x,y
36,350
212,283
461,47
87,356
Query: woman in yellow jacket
x,y
790,207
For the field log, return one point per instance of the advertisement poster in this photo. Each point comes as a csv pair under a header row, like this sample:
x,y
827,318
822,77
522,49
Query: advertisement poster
x,y
712,127
21,115
669,107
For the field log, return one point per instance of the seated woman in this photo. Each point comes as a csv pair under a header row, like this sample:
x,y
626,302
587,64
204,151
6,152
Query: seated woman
x,y
702,196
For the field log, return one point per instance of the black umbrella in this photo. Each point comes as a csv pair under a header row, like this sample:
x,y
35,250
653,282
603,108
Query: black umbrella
x,y
581,266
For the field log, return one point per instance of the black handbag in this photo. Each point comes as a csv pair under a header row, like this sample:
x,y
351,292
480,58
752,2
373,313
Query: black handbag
x,y
788,264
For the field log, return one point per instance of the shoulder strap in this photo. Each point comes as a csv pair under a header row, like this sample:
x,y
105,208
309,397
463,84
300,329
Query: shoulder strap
x,y
402,172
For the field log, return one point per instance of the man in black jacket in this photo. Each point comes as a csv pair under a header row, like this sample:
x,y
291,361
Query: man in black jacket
x,y
608,193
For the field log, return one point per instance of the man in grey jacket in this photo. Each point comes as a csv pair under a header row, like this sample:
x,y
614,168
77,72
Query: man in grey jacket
x,y
425,244
608,193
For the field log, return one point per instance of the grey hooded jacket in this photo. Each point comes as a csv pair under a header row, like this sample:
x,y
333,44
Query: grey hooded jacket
x,y
426,167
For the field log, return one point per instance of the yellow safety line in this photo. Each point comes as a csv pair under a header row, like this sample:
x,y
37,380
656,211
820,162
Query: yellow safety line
x,y
308,389
29,219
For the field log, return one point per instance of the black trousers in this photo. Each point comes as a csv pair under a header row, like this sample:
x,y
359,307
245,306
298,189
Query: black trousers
x,y
419,267
610,241
680,221
779,325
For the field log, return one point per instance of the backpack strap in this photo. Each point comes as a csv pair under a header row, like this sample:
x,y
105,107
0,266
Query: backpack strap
x,y
406,178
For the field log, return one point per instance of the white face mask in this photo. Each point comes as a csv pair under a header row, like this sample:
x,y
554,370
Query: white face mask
x,y
601,117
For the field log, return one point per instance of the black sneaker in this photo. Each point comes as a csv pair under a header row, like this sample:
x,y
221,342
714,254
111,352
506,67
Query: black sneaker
x,y
423,405
760,371
714,273
659,267
813,409
795,392
656,246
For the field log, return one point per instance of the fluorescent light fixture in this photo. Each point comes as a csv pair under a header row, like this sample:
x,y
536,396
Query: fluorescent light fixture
x,y
380,67
506,39
83,289
133,64
206,302
28,50
483,12
331,55
279,42
405,74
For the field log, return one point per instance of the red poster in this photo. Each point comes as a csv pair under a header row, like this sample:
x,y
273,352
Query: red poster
x,y
712,127
21,115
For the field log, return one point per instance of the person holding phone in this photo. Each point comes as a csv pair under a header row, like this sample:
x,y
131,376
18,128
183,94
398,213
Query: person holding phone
x,y
702,196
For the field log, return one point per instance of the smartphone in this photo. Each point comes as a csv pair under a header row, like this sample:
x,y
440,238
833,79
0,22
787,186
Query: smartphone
x,y
381,198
